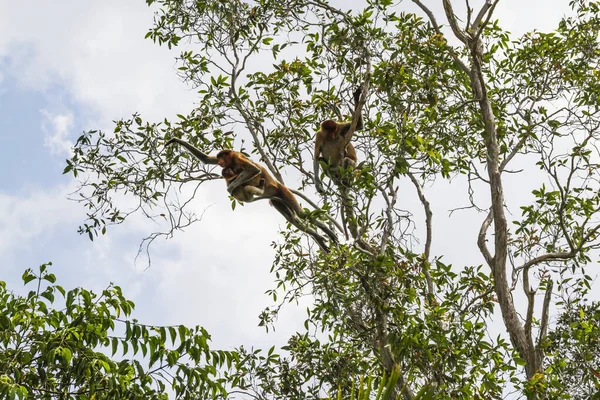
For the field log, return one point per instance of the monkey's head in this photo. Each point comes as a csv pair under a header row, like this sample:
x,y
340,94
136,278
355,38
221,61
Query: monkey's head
x,y
330,127
224,158
227,173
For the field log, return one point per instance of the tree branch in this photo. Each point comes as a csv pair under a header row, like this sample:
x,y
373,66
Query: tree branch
x,y
389,227
316,207
530,294
481,240
544,323
362,100
459,33
548,257
435,25
487,20
429,228
479,17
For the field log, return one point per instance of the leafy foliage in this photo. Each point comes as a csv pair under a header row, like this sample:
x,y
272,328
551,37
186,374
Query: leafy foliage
x,y
439,107
574,354
49,352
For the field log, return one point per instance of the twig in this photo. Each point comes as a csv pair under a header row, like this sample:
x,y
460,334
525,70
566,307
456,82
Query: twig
x,y
309,201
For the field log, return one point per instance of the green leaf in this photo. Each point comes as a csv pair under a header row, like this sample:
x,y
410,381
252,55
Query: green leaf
x,y
28,276
67,354
520,361
48,295
173,334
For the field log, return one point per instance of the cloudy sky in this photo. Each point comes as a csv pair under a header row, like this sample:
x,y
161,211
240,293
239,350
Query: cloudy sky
x,y
68,66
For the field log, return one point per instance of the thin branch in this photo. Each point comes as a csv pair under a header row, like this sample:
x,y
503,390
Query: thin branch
x,y
487,20
459,33
389,226
530,294
479,17
428,213
514,152
483,295
316,207
545,318
362,100
469,13
566,255
481,240
548,257
435,25
429,228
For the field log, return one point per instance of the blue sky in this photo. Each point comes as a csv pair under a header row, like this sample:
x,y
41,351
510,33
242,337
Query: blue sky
x,y
71,66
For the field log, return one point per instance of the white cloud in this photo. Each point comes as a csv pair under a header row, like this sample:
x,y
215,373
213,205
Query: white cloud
x,y
215,273
57,128
212,274
25,216
523,16
97,51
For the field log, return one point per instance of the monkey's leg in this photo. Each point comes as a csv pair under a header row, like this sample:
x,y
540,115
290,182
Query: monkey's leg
x,y
319,239
245,176
253,191
345,174
299,217
259,196
348,163
246,194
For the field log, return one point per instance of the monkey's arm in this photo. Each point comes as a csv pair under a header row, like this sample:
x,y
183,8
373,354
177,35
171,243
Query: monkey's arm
x,y
316,164
195,152
250,171
345,127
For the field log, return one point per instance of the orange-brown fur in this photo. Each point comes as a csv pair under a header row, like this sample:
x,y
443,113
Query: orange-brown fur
x,y
245,193
272,189
330,140
253,182
332,145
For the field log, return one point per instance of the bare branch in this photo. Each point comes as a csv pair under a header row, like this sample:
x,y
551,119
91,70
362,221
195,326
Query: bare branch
x,y
428,225
459,33
362,99
389,227
429,15
548,257
316,207
469,13
475,299
545,318
481,239
436,26
479,17
530,294
487,20
514,152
